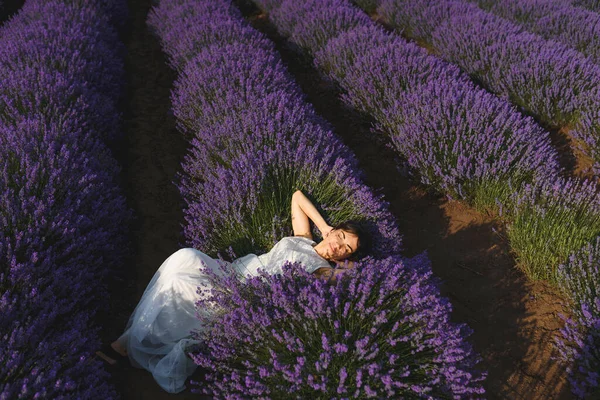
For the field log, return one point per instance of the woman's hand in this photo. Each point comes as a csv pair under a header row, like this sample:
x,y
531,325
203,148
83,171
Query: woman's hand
x,y
326,230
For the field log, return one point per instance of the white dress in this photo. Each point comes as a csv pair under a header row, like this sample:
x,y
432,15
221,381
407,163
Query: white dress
x,y
159,329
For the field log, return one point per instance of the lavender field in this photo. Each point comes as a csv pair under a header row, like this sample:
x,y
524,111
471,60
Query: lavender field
x,y
464,134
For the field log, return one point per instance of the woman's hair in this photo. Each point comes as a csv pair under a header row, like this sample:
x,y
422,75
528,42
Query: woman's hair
x,y
364,238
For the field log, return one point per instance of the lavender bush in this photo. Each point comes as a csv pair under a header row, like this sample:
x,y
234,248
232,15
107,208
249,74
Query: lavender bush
x,y
250,215
382,331
549,221
515,147
169,21
593,5
63,217
93,62
578,344
546,78
321,24
580,337
254,141
580,275
445,138
575,27
231,77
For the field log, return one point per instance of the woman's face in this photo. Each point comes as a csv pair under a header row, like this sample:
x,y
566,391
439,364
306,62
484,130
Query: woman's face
x,y
339,245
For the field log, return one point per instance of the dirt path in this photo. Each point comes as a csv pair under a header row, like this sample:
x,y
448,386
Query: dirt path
x,y
8,8
150,154
513,319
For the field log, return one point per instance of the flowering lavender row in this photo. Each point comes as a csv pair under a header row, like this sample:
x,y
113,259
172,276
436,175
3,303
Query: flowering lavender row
x,y
254,140
460,139
383,331
63,217
557,84
580,341
575,27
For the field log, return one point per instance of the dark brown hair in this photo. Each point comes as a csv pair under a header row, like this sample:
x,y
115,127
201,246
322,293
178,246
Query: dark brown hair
x,y
364,238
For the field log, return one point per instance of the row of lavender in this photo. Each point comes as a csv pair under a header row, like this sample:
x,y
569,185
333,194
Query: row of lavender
x,y
557,84
575,27
254,140
63,216
442,133
532,71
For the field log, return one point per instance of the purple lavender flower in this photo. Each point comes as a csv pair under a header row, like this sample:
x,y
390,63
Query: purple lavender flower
x,y
548,79
578,345
580,276
593,5
575,27
170,19
63,217
253,314
579,341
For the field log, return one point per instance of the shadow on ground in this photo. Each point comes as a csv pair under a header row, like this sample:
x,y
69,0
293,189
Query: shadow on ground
x,y
8,8
150,154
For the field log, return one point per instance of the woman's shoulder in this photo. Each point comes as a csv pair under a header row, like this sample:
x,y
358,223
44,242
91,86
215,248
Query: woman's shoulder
x,y
299,239
295,241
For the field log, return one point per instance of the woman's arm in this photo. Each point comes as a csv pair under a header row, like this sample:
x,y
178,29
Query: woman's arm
x,y
303,211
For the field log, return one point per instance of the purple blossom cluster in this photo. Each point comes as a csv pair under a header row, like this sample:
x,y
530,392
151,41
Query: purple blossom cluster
x,y
460,139
593,5
557,84
580,275
63,219
579,342
382,331
575,27
253,138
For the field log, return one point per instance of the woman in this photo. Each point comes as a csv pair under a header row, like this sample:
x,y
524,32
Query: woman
x,y
159,329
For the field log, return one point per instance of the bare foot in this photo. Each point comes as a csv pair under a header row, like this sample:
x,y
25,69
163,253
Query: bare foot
x,y
106,358
118,348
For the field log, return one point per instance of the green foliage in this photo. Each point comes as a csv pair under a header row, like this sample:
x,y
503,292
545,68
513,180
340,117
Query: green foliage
x,y
550,223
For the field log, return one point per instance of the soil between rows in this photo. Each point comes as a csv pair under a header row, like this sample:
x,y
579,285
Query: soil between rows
x,y
150,154
513,319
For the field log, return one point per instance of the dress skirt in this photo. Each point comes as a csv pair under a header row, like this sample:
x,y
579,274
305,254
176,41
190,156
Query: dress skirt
x,y
159,329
